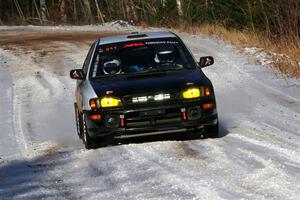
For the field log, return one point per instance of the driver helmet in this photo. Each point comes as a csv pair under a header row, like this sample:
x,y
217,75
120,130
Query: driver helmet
x,y
111,65
165,54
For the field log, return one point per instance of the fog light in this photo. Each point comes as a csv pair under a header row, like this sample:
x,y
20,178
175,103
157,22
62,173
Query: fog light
x,y
112,121
194,113
208,106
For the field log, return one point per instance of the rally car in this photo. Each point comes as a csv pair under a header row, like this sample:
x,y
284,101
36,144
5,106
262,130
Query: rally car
x,y
142,84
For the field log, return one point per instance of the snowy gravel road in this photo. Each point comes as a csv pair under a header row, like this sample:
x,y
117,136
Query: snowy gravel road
x,y
257,157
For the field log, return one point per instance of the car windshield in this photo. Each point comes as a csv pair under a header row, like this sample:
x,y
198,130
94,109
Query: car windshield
x,y
133,57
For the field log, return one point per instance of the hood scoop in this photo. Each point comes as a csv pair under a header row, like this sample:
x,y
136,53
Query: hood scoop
x,y
145,75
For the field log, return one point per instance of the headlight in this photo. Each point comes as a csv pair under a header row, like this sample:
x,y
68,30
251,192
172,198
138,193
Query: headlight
x,y
197,92
107,102
191,93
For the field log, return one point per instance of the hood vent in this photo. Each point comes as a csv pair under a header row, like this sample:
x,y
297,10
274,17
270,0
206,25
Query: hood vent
x,y
146,75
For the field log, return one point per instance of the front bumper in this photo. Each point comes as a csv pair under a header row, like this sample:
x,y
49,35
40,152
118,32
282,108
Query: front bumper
x,y
151,119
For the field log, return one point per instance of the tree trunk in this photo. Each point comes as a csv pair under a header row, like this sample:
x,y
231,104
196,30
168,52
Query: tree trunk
x,y
127,10
75,16
19,10
135,17
43,9
266,17
251,16
99,13
37,11
62,12
87,9
27,9
108,9
179,8
123,10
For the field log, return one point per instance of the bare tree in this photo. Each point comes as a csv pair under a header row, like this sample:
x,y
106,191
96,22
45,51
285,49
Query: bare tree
x,y
87,9
99,13
179,8
75,15
43,9
19,9
133,10
62,12
251,16
37,11
266,17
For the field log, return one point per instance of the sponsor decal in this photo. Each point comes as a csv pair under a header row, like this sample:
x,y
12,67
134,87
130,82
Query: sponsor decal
x,y
137,44
162,42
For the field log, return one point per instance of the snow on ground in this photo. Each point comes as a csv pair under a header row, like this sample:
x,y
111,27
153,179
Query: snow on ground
x,y
257,157
266,58
115,26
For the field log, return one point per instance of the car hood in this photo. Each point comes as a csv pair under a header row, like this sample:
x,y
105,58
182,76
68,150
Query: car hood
x,y
149,83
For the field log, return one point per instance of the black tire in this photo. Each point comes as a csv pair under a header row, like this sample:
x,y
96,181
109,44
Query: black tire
x,y
104,141
78,118
89,143
212,131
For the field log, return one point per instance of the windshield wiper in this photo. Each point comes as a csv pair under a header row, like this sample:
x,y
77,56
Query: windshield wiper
x,y
160,69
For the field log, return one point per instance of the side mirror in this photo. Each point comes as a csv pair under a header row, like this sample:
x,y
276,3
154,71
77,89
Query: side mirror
x,y
206,61
77,74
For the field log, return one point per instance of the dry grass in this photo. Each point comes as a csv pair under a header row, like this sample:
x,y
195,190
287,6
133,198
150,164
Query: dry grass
x,y
287,48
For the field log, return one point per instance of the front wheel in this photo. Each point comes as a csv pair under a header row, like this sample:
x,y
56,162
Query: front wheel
x,y
78,118
212,131
88,142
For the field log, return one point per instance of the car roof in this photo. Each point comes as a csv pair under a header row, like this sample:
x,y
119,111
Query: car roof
x,y
136,36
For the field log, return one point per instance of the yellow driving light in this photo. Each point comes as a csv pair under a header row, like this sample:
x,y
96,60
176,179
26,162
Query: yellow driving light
x,y
191,93
107,102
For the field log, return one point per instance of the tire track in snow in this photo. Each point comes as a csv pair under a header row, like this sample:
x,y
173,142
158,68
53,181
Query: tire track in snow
x,y
7,109
292,155
23,143
28,93
173,173
17,123
273,179
251,173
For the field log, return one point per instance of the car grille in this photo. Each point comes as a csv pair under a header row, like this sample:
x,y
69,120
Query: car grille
x,y
153,117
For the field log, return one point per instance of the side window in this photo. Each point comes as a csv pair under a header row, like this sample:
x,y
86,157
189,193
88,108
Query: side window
x,y
88,59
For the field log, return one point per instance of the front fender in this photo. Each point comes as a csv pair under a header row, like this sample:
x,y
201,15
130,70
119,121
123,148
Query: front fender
x,y
87,94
